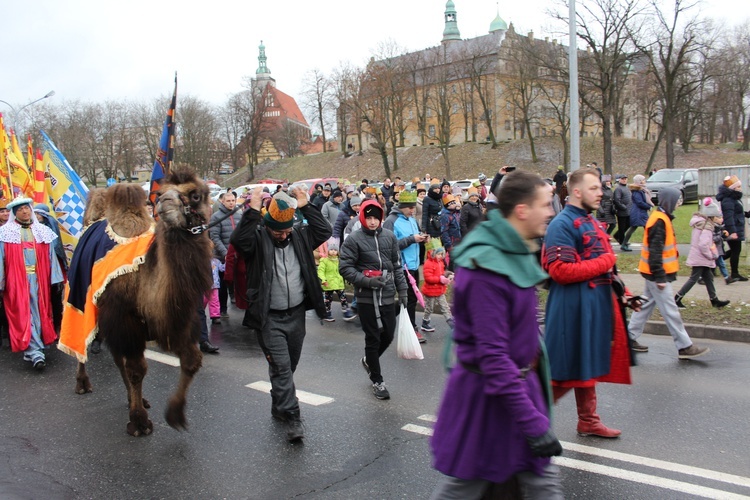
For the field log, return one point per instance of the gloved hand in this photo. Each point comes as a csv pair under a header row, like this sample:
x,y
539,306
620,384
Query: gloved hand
x,y
546,445
375,283
403,298
444,280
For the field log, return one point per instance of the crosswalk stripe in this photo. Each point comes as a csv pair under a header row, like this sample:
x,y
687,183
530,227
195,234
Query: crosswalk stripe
x,y
659,464
162,358
304,396
428,418
425,431
637,477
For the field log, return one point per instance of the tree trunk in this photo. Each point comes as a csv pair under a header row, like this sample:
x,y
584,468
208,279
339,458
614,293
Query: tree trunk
x,y
651,159
534,158
607,139
669,136
384,156
746,137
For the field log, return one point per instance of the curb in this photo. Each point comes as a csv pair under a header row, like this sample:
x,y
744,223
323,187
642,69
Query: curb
x,y
726,333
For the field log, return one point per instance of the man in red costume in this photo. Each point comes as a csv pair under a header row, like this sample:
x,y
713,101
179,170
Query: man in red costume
x,y
27,269
584,329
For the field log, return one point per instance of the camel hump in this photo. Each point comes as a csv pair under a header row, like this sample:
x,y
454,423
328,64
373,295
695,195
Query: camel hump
x,y
126,210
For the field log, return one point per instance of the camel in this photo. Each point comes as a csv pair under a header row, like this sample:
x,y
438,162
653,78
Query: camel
x,y
157,301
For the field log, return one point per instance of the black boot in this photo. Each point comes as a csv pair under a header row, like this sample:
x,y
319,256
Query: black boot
x,y
678,301
294,430
719,303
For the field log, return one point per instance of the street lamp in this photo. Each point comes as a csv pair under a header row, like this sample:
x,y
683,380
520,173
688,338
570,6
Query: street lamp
x,y
16,113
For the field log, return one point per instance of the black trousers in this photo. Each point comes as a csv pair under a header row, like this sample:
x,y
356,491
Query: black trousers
x,y
735,247
411,304
623,223
377,340
223,293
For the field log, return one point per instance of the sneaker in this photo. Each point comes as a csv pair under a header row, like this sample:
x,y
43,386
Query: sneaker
x,y
349,315
96,346
625,248
421,338
692,352
365,365
427,327
215,321
379,390
451,323
329,317
39,365
678,301
638,347
730,279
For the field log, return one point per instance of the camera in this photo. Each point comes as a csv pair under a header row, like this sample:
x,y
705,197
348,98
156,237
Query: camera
x,y
372,273
509,169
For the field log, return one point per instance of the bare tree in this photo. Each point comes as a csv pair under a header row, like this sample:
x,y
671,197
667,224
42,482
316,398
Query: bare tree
x,y
674,51
607,28
444,104
481,67
198,136
252,104
523,86
419,77
316,99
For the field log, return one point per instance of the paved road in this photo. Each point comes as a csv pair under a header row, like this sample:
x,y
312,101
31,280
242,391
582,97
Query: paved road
x,y
684,427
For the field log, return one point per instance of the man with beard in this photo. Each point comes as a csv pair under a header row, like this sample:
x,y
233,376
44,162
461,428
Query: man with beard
x,y
282,283
585,333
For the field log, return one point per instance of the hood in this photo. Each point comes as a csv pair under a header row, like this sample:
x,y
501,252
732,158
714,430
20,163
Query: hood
x,y
668,199
698,219
635,187
397,211
728,194
363,209
435,196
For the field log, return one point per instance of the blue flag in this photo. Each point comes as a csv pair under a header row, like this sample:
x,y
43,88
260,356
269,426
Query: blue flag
x,y
165,154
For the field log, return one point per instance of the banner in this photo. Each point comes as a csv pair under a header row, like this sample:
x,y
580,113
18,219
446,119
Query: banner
x,y
68,194
165,154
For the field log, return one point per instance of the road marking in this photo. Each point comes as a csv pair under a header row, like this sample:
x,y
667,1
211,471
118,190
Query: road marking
x,y
637,477
629,475
659,464
304,396
418,429
162,358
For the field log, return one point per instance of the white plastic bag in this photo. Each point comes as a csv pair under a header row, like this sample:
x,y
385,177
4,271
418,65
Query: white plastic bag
x,y
407,344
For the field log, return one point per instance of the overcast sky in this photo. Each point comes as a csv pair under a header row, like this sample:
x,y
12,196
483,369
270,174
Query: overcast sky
x,y
94,50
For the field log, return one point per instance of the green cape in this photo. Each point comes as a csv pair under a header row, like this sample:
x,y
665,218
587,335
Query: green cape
x,y
495,245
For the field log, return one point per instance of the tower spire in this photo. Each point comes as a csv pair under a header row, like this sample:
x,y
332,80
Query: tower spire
x,y
262,68
451,25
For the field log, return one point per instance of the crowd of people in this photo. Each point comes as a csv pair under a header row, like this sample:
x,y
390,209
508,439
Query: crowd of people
x,y
278,255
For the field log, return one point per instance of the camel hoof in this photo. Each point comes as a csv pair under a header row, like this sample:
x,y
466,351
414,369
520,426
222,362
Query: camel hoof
x,y
137,431
84,386
175,416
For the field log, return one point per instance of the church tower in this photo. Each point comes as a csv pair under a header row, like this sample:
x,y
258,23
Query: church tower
x,y
263,74
451,25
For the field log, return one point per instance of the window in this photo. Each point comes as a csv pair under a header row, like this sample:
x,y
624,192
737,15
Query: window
x,y
432,130
468,87
507,124
453,88
428,112
411,114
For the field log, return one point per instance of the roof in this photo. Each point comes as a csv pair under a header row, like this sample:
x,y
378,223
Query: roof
x,y
288,105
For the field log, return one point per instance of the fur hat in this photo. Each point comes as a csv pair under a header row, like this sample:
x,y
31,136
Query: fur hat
x,y
280,213
448,198
18,202
407,199
732,182
710,209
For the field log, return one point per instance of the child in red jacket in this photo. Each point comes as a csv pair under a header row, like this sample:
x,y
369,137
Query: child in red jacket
x,y
436,280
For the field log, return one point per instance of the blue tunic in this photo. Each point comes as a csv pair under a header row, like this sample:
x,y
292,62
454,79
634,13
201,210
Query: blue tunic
x,y
579,315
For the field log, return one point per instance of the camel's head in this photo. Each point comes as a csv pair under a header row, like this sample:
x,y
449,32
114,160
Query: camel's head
x,y
183,200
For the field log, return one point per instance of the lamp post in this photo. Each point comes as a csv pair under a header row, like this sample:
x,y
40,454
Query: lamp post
x,y
14,117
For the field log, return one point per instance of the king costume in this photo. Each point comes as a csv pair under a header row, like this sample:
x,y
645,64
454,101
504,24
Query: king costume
x,y
28,268
586,336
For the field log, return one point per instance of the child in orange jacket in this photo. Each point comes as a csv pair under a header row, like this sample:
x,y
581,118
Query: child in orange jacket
x,y
436,280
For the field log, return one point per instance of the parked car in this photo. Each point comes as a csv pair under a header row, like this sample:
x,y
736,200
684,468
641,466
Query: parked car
x,y
683,179
464,184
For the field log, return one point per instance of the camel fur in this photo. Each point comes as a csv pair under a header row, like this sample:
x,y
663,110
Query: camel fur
x,y
159,301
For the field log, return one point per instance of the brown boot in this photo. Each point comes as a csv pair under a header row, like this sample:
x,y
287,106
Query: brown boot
x,y
589,423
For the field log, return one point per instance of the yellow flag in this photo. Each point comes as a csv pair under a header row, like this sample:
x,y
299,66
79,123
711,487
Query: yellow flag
x,y
23,184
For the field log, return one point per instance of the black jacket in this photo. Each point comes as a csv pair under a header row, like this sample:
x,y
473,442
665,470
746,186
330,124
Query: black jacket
x,y
431,207
732,210
252,239
471,215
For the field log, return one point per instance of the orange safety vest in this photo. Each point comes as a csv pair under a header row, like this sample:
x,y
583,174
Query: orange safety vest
x,y
669,255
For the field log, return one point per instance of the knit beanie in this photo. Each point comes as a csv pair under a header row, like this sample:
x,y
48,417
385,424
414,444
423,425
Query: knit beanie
x,y
732,182
333,244
280,213
710,209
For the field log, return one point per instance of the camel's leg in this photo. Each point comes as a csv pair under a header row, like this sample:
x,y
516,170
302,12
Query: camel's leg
x,y
83,384
133,371
190,362
120,362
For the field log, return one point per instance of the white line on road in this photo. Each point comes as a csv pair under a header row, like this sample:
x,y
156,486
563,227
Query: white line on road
x,y
304,396
659,464
162,358
637,477
418,429
428,418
